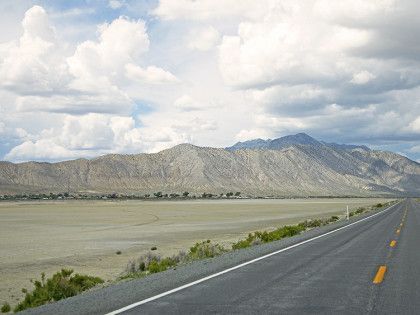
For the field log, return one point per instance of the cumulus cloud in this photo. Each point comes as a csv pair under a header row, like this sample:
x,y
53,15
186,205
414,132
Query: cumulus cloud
x,y
415,125
208,9
82,86
310,67
203,39
115,4
362,77
150,75
289,46
256,133
341,71
187,103
33,64
120,42
82,136
39,150
91,79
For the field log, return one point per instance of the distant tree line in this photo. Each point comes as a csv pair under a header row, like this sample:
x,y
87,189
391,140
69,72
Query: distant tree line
x,y
155,195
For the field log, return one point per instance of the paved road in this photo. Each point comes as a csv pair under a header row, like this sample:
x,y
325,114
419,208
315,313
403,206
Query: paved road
x,y
372,266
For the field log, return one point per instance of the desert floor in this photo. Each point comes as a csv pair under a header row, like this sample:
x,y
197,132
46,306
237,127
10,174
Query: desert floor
x,y
46,236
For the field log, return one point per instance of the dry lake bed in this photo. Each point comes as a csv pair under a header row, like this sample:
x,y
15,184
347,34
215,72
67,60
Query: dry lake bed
x,y
45,236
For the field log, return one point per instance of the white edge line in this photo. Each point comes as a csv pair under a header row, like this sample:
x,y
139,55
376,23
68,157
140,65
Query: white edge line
x,y
128,307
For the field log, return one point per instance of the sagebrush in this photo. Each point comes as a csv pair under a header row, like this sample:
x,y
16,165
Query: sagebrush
x,y
61,285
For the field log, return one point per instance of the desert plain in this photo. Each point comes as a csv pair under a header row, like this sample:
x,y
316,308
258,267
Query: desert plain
x,y
46,236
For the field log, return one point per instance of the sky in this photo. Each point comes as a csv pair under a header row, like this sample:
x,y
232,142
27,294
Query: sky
x,y
80,79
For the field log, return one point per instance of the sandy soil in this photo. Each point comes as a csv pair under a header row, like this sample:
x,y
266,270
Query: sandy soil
x,y
45,236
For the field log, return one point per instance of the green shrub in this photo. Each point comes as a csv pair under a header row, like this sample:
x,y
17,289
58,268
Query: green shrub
x,y
334,218
360,210
242,244
5,307
162,265
266,237
309,224
60,286
379,205
205,250
151,263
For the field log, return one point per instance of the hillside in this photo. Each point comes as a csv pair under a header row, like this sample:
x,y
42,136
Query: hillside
x,y
290,166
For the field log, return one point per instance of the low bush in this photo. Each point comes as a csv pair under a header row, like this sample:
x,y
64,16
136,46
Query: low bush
x,y
266,237
360,210
152,263
245,242
309,224
5,308
357,212
162,265
205,249
60,286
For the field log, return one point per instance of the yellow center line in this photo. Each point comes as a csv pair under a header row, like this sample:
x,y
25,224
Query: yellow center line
x,y
393,243
379,275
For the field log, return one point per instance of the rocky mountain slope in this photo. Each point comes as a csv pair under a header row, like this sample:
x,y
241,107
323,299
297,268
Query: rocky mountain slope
x,y
290,166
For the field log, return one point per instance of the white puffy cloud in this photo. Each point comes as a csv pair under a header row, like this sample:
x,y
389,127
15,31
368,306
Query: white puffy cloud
x,y
291,45
120,42
82,90
187,103
209,9
33,64
203,39
115,4
81,136
92,78
95,134
211,73
415,125
149,75
362,77
256,133
40,150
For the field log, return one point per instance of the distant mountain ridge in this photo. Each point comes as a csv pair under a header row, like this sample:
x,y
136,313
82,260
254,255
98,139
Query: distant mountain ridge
x,y
283,142
296,165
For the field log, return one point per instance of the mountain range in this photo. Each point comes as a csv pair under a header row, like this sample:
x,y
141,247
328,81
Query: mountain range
x,y
295,165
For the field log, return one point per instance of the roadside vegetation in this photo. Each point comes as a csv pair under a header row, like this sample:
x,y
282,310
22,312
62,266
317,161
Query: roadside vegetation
x,y
65,284
61,285
152,263
5,308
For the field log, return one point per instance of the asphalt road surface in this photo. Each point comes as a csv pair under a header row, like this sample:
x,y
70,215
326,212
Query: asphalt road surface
x,y
370,264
